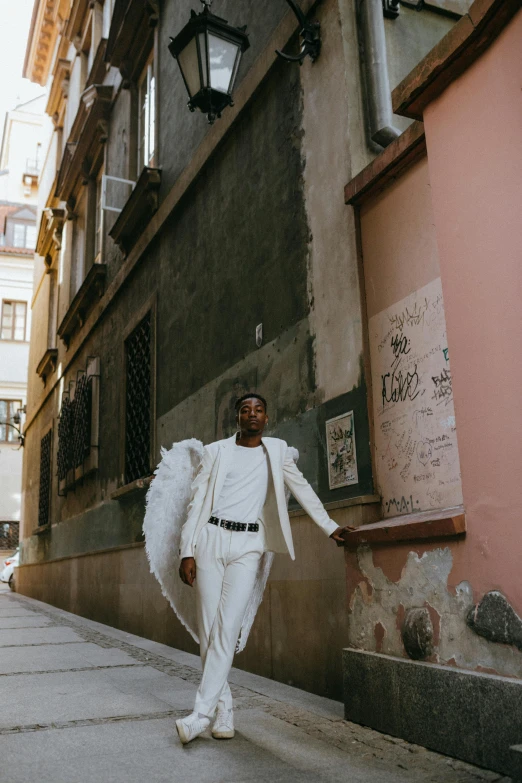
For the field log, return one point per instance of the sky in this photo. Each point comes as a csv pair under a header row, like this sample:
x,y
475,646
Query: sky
x,y
16,18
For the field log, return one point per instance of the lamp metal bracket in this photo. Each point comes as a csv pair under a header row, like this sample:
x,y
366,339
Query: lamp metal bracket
x,y
391,8
310,38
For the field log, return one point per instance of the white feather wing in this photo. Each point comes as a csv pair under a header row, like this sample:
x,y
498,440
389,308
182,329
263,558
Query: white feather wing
x,y
167,503
168,498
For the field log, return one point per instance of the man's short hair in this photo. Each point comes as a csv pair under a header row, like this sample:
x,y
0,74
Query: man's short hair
x,y
249,396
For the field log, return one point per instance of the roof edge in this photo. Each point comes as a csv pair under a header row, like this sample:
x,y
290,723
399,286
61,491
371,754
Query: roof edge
x,y
453,55
30,37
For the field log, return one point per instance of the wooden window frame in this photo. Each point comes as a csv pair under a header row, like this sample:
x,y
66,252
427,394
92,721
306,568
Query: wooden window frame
x,y
12,338
148,75
12,224
99,217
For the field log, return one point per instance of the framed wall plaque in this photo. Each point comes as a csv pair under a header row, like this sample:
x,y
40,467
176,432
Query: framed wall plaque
x,y
340,446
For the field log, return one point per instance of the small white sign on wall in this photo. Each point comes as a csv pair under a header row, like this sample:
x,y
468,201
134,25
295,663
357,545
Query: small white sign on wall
x,y
340,446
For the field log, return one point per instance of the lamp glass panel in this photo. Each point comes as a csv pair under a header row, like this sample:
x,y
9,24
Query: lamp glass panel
x,y
188,62
203,56
222,57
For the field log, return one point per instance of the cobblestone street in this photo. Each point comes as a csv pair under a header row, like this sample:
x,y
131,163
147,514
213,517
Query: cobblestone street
x,y
82,702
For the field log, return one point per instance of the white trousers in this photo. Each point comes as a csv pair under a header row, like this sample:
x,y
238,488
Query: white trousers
x,y
226,568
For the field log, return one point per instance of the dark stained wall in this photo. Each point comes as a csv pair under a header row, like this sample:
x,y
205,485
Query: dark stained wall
x,y
234,255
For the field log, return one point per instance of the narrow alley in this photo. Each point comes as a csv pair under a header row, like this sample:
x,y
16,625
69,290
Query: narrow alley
x,y
83,701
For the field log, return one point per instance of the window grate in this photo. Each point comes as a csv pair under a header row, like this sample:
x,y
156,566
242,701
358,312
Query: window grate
x,y
81,435
78,427
65,438
44,501
138,401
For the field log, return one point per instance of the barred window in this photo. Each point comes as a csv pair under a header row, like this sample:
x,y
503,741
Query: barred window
x,y
44,501
138,401
65,439
78,427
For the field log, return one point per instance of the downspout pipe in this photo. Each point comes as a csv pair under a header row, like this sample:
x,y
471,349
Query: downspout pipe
x,y
378,90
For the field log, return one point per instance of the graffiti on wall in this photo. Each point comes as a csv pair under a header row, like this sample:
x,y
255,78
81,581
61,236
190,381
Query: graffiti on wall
x,y
342,459
417,460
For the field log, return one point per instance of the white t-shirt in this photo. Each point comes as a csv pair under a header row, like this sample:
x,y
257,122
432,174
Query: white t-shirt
x,y
245,486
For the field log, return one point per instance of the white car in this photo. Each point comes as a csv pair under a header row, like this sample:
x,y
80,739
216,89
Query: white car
x,y
7,574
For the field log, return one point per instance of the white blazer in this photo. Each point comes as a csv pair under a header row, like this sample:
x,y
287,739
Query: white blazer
x,y
208,484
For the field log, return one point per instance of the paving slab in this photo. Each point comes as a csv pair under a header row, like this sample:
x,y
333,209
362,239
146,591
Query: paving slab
x,y
26,621
33,636
14,609
308,753
70,696
51,657
141,750
173,691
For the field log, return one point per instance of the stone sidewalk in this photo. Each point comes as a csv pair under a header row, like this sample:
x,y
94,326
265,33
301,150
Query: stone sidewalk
x,y
82,702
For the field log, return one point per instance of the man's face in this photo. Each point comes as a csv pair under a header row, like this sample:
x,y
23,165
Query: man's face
x,y
251,416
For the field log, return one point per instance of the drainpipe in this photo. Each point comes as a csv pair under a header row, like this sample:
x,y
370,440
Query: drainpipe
x,y
378,90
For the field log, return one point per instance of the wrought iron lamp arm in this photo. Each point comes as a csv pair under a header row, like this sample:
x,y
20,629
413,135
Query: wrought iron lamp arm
x,y
310,38
298,12
21,436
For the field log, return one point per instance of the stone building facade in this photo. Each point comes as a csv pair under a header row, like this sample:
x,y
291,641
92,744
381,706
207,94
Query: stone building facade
x,y
145,318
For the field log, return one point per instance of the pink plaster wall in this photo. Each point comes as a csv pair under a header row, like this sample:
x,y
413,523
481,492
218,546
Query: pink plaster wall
x,y
474,133
399,244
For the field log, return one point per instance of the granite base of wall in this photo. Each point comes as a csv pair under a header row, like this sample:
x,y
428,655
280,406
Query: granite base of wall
x,y
469,715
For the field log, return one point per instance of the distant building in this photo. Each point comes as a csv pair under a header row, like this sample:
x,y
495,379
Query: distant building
x,y
20,166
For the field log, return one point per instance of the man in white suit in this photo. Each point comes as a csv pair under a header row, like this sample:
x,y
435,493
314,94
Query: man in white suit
x,y
237,512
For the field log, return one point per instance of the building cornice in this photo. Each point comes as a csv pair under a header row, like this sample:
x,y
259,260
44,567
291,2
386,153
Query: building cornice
x,y
131,35
50,234
88,133
43,32
59,91
74,25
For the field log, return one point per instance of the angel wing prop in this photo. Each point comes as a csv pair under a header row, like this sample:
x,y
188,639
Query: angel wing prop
x,y
167,503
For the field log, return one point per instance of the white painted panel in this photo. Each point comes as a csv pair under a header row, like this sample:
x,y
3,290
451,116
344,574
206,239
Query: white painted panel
x,y
416,454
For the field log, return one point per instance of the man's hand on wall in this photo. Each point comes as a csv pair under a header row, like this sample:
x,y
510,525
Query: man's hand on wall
x,y
337,535
187,570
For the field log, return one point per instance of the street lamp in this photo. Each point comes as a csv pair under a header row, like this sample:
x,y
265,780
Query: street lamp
x,y
208,51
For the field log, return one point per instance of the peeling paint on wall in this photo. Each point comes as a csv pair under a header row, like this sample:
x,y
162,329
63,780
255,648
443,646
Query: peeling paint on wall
x,y
379,609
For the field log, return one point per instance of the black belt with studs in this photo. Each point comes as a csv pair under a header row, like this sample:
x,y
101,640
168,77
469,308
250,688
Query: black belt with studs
x,y
240,527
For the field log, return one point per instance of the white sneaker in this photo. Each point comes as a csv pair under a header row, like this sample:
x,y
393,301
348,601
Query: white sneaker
x,y
223,727
191,727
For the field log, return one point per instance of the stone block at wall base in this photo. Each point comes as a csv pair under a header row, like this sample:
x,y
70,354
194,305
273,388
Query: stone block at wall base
x,y
472,716
515,753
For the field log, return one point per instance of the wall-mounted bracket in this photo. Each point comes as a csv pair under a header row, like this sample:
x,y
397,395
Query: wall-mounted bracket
x,y
391,8
310,38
